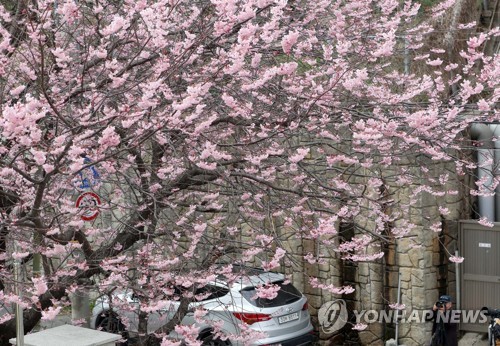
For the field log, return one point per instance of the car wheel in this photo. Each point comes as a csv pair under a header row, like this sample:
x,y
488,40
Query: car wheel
x,y
208,340
112,324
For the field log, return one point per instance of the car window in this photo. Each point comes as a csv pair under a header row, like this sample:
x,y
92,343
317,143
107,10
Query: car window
x,y
286,295
210,292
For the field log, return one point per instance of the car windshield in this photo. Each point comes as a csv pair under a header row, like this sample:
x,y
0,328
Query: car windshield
x,y
286,295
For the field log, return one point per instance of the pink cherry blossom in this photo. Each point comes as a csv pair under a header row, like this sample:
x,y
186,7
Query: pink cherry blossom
x,y
109,137
40,286
267,291
360,326
456,259
18,90
50,313
289,40
396,306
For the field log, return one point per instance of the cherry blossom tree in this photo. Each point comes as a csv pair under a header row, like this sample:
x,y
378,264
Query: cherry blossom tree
x,y
210,133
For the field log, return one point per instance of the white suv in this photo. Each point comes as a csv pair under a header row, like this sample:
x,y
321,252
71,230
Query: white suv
x,y
284,320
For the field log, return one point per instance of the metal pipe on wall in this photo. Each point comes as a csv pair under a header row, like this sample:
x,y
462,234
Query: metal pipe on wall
x,y
485,158
397,311
495,129
18,279
457,285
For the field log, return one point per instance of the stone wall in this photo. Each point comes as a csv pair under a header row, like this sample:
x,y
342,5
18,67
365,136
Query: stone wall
x,y
419,260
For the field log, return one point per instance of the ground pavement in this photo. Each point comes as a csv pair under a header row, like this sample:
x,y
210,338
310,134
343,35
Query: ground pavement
x,y
468,339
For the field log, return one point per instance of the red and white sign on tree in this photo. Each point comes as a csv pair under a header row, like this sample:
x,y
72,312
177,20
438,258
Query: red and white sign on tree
x,y
88,203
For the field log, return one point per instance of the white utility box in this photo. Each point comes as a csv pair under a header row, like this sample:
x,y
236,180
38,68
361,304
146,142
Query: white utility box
x,y
67,334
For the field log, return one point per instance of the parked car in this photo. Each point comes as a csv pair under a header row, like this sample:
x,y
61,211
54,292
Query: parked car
x,y
285,320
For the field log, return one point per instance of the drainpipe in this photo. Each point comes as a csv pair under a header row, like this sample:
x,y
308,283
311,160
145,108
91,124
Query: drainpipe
x,y
458,280
18,280
484,135
397,311
495,129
